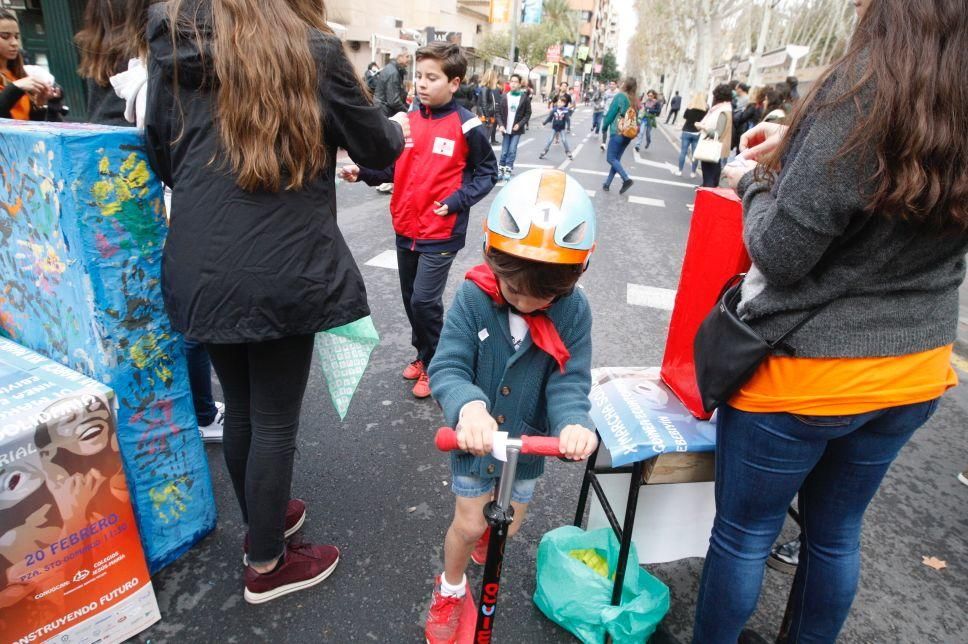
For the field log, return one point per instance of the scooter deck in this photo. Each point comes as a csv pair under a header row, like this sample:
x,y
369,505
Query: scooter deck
x,y
468,620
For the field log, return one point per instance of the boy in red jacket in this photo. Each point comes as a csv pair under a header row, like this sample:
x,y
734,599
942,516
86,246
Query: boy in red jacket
x,y
446,167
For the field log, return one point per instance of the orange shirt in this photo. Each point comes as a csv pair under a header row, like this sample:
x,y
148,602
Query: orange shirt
x,y
21,109
846,386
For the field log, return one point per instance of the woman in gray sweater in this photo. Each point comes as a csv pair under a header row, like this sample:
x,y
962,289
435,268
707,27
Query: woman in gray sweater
x,y
859,210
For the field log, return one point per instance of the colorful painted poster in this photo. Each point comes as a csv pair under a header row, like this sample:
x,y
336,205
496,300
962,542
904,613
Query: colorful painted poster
x,y
81,235
71,562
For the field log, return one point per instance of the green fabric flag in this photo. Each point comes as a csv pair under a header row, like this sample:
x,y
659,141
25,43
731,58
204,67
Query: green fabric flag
x,y
344,353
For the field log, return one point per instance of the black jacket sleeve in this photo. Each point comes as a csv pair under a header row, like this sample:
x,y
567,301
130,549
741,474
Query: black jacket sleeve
x,y
480,174
159,113
502,111
8,98
352,122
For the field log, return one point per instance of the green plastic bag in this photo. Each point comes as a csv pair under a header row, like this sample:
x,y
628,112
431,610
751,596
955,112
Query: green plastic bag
x,y
579,599
344,353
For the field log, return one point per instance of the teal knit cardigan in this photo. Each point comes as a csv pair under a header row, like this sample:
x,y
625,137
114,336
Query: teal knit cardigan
x,y
524,390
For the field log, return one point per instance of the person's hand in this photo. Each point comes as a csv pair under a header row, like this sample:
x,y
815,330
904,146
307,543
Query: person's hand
x,y
401,119
500,128
475,431
441,209
577,442
349,173
515,128
31,85
736,169
761,140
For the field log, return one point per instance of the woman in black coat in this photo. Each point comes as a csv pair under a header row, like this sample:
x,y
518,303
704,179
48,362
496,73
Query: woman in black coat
x,y
255,264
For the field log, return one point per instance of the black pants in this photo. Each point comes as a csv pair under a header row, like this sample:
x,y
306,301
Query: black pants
x,y
263,383
711,173
673,114
422,280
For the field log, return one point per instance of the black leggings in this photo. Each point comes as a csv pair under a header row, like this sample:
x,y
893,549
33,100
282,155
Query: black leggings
x,y
263,384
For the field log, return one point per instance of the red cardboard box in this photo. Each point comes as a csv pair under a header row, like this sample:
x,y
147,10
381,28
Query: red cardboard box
x,y
714,253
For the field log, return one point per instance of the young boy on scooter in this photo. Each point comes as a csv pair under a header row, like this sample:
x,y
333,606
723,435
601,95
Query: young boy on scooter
x,y
514,356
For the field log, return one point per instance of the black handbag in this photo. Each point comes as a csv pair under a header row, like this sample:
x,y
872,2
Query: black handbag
x,y
727,350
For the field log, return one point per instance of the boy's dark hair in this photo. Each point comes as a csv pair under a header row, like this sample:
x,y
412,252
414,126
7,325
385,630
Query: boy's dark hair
x,y
451,58
722,93
518,76
535,279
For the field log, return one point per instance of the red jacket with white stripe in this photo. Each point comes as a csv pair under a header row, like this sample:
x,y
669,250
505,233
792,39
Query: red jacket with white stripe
x,y
447,160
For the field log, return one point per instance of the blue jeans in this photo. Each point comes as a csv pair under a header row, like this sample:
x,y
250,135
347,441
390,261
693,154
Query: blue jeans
x,y
613,154
645,131
200,382
687,143
836,464
597,121
560,135
509,149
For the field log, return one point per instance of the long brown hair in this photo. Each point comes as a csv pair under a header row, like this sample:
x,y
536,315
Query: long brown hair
x,y
908,59
103,41
630,87
16,66
267,111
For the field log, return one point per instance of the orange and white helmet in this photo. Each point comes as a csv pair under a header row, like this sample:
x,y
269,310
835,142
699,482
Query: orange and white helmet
x,y
543,216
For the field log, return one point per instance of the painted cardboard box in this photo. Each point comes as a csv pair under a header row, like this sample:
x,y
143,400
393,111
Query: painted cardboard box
x,y
71,563
82,228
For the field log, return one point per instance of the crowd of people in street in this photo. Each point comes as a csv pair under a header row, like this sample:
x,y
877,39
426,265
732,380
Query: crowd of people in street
x,y
836,222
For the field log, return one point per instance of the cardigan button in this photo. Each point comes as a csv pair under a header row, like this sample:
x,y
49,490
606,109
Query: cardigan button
x,y
490,469
500,419
505,390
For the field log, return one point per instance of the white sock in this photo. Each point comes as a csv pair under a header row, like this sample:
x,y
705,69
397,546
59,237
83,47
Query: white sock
x,y
451,590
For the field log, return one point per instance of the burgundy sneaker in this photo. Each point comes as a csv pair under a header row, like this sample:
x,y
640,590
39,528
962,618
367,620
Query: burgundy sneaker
x,y
304,566
295,518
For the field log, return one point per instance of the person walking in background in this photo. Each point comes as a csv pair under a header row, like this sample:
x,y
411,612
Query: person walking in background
x,y
650,111
372,71
841,228
623,110
489,103
718,123
466,96
598,107
694,113
674,104
104,47
610,93
746,118
557,118
512,115
23,97
563,95
254,264
391,93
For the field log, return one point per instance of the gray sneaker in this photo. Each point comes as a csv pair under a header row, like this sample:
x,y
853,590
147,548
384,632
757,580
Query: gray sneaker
x,y
212,433
785,557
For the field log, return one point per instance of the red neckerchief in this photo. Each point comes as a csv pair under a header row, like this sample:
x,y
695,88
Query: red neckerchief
x,y
542,329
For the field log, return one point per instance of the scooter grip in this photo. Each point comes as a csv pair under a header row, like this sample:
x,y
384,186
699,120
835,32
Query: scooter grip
x,y
446,439
540,446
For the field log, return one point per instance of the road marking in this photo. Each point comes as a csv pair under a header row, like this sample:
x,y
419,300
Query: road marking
x,y
646,201
690,206
663,165
525,142
574,154
634,178
386,259
591,193
668,138
959,363
533,165
650,296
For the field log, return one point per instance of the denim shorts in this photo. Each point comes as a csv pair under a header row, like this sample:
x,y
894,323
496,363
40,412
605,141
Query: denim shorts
x,y
475,486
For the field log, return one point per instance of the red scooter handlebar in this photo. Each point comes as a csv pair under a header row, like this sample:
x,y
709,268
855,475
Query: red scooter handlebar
x,y
446,441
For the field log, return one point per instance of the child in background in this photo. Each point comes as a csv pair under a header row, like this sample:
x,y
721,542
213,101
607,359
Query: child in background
x,y
514,355
558,117
446,167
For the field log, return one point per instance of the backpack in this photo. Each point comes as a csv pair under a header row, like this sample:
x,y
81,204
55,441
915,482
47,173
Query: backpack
x,y
628,125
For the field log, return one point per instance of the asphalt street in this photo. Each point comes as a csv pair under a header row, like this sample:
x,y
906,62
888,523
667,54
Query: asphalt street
x,y
377,488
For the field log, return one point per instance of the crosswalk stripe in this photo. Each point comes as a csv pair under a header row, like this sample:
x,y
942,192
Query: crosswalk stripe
x,y
386,259
650,296
591,193
646,201
664,182
574,154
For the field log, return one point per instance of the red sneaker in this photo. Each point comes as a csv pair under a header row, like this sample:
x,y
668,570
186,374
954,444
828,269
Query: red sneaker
x,y
443,618
413,370
295,517
421,388
305,565
479,556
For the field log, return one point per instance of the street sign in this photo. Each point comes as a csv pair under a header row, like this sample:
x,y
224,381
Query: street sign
x,y
553,55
